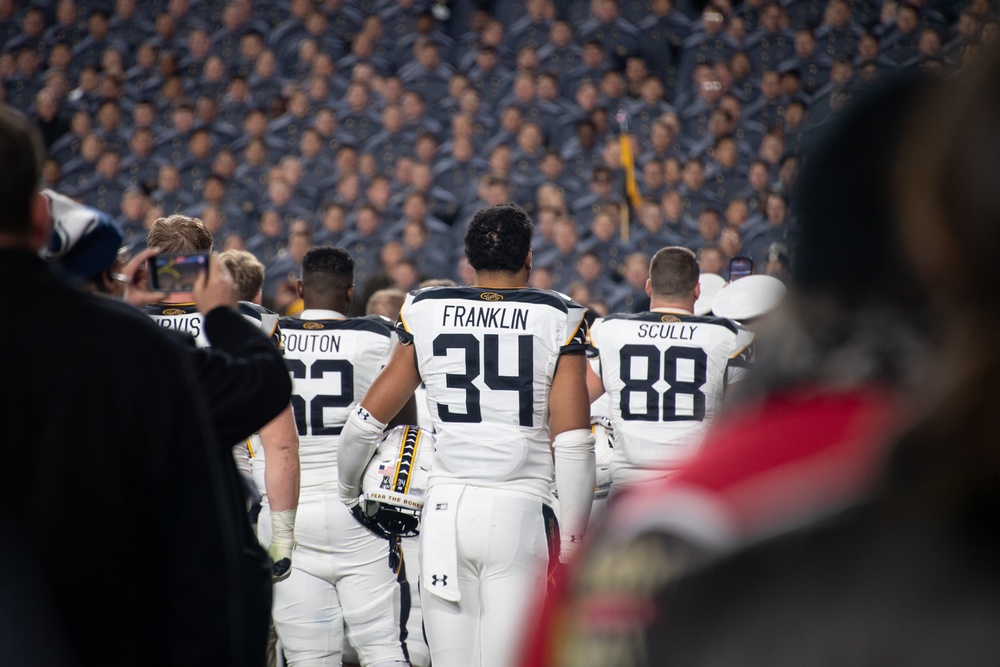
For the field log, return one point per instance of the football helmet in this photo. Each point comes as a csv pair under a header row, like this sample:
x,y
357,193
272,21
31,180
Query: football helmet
x,y
395,482
604,448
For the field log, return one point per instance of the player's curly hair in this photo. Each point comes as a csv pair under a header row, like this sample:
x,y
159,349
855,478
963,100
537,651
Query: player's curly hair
x,y
499,238
326,270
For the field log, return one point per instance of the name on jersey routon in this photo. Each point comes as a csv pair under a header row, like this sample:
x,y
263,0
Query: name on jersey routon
x,y
312,342
485,317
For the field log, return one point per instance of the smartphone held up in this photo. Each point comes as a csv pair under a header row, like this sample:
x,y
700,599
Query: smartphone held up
x,y
740,267
176,272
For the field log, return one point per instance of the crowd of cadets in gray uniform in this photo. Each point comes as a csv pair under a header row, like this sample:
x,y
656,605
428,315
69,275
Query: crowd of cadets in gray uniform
x,y
383,125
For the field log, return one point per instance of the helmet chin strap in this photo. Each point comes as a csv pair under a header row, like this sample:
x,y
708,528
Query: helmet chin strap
x,y
395,553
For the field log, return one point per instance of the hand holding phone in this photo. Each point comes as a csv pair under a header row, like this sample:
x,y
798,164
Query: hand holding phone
x,y
135,277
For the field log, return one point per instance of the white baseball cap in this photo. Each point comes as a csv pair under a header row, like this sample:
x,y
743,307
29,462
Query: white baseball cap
x,y
710,283
749,297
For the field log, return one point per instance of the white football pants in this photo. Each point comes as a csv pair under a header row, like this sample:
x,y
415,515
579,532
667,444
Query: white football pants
x,y
340,578
503,555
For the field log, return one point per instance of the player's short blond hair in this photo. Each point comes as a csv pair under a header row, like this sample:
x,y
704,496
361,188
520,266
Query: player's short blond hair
x,y
179,233
437,282
246,270
386,302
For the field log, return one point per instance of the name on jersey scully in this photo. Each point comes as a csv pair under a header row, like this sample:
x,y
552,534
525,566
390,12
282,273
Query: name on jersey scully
x,y
485,317
668,331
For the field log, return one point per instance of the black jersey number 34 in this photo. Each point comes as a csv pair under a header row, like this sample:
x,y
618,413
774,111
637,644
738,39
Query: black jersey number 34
x,y
489,354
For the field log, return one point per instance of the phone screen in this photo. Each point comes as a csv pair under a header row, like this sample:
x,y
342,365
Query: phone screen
x,y
176,272
740,267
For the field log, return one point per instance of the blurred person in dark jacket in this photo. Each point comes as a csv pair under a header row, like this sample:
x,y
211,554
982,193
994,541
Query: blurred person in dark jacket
x,y
88,415
836,375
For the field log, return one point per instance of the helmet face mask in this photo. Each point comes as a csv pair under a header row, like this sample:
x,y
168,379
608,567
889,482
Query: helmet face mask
x,y
395,483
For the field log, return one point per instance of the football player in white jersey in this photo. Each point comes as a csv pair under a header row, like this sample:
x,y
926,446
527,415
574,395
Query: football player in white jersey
x,y
179,233
505,371
665,371
340,573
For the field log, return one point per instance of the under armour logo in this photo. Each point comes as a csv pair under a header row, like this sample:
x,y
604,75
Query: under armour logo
x,y
441,506
439,579
576,538
364,414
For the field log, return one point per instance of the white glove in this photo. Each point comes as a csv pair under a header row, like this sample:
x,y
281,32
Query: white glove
x,y
282,543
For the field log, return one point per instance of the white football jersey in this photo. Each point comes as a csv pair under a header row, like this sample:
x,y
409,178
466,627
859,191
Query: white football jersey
x,y
332,361
487,358
665,373
184,317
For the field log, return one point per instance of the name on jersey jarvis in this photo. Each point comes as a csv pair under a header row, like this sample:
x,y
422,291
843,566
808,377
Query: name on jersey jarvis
x,y
189,325
669,331
485,317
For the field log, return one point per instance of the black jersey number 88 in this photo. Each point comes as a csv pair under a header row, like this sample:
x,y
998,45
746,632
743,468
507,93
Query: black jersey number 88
x,y
644,385
522,383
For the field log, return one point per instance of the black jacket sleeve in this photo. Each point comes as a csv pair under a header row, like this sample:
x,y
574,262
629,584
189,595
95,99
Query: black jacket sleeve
x,y
242,376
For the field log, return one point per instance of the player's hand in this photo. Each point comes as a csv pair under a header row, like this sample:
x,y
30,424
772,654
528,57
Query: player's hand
x,y
281,559
215,288
136,279
282,544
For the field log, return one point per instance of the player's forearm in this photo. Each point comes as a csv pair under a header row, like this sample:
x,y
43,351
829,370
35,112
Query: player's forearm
x,y
355,447
575,478
407,415
573,449
393,387
569,400
595,385
281,456
390,391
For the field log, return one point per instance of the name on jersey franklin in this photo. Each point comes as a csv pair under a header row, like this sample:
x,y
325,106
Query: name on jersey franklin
x,y
485,317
